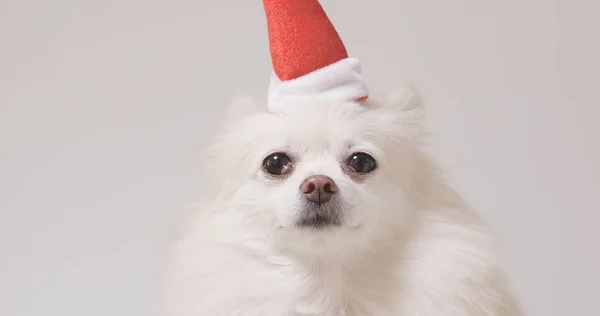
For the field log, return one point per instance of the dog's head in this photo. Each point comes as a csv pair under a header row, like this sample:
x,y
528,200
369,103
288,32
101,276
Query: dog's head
x,y
323,175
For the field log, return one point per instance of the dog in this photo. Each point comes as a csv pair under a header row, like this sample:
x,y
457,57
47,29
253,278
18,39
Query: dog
x,y
333,208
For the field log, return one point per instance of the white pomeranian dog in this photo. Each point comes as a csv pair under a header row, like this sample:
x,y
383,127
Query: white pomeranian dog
x,y
333,208
326,204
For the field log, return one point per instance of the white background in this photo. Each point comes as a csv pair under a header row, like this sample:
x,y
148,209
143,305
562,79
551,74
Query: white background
x,y
105,105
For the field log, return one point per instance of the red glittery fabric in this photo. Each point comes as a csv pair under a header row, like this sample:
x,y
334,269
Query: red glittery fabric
x,y
301,37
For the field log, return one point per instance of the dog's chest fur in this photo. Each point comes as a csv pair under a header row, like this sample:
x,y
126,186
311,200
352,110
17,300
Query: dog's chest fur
x,y
446,269
276,286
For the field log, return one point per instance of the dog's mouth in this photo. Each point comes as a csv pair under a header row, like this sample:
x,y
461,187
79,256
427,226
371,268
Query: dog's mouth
x,y
320,217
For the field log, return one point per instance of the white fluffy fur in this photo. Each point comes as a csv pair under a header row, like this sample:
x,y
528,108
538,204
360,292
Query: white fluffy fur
x,y
409,245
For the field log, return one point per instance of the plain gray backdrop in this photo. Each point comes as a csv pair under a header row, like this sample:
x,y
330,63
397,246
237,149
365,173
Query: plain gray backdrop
x,y
105,106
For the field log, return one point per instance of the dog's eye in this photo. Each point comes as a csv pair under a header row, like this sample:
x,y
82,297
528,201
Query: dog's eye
x,y
277,164
362,163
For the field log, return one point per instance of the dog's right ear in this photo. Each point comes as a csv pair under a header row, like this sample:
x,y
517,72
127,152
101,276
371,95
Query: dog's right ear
x,y
241,106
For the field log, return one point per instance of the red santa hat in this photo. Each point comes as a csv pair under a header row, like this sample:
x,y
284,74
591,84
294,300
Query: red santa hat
x,y
309,58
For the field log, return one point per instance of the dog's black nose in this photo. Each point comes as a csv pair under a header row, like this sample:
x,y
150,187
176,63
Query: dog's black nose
x,y
318,188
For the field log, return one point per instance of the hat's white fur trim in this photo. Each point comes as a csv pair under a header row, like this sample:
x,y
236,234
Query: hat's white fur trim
x,y
339,81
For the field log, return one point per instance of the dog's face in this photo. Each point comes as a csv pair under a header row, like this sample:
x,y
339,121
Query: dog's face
x,y
319,176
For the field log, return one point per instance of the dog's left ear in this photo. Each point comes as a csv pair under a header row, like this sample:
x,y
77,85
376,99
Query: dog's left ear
x,y
404,98
406,103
